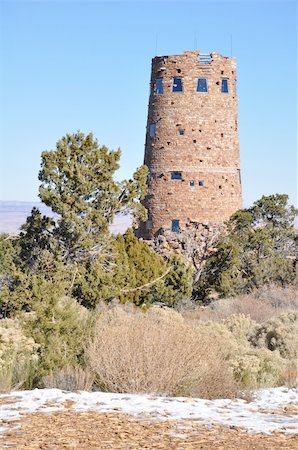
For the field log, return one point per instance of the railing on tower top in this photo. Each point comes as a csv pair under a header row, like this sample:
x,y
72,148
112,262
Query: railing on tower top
x,y
205,59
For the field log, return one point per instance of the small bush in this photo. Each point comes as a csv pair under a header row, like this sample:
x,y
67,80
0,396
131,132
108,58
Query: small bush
x,y
70,378
18,356
279,334
156,352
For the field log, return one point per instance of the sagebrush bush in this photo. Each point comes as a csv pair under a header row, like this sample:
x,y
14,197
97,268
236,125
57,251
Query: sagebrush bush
x,y
252,367
279,334
241,326
256,368
70,378
156,352
18,356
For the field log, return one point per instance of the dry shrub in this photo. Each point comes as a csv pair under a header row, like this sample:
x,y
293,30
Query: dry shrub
x,y
70,378
260,305
280,298
248,305
289,377
157,352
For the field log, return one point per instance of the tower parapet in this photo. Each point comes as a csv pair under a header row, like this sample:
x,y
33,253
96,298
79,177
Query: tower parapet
x,y
192,145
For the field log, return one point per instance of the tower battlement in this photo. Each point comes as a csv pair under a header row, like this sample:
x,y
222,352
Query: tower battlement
x,y
192,145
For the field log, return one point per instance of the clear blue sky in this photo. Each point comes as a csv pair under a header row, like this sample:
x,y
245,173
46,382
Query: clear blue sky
x,y
69,65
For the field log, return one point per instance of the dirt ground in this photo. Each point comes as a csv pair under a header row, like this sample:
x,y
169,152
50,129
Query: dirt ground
x,y
93,430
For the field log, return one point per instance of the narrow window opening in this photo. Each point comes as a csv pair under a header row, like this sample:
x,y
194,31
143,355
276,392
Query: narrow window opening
x,y
177,85
179,70
168,142
159,86
239,173
224,86
201,160
152,128
200,131
176,175
175,227
217,83
172,103
192,183
194,141
221,134
202,85
220,186
181,132
208,148
201,183
222,72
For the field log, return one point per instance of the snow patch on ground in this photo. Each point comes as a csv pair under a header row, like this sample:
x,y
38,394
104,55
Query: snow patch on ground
x,y
271,410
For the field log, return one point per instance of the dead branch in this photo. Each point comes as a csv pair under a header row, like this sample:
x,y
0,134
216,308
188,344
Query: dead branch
x,y
147,285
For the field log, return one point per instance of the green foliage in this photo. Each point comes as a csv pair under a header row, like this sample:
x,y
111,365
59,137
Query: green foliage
x,y
260,248
13,281
77,183
61,327
34,240
132,271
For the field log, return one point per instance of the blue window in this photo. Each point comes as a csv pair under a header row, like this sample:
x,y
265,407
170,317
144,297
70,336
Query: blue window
x,y
177,85
181,132
175,226
152,128
224,86
202,85
159,86
176,176
192,183
201,183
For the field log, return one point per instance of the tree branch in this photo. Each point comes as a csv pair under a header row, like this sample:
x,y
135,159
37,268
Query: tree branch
x,y
147,285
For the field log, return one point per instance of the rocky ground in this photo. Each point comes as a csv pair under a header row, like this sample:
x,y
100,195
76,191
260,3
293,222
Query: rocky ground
x,y
52,419
93,430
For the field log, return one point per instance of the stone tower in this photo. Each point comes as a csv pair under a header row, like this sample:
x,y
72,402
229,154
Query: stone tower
x,y
192,146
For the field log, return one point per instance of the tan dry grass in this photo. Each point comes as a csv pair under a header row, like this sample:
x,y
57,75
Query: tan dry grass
x,y
70,378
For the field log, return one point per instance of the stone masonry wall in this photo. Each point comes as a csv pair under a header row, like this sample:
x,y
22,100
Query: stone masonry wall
x,y
196,134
